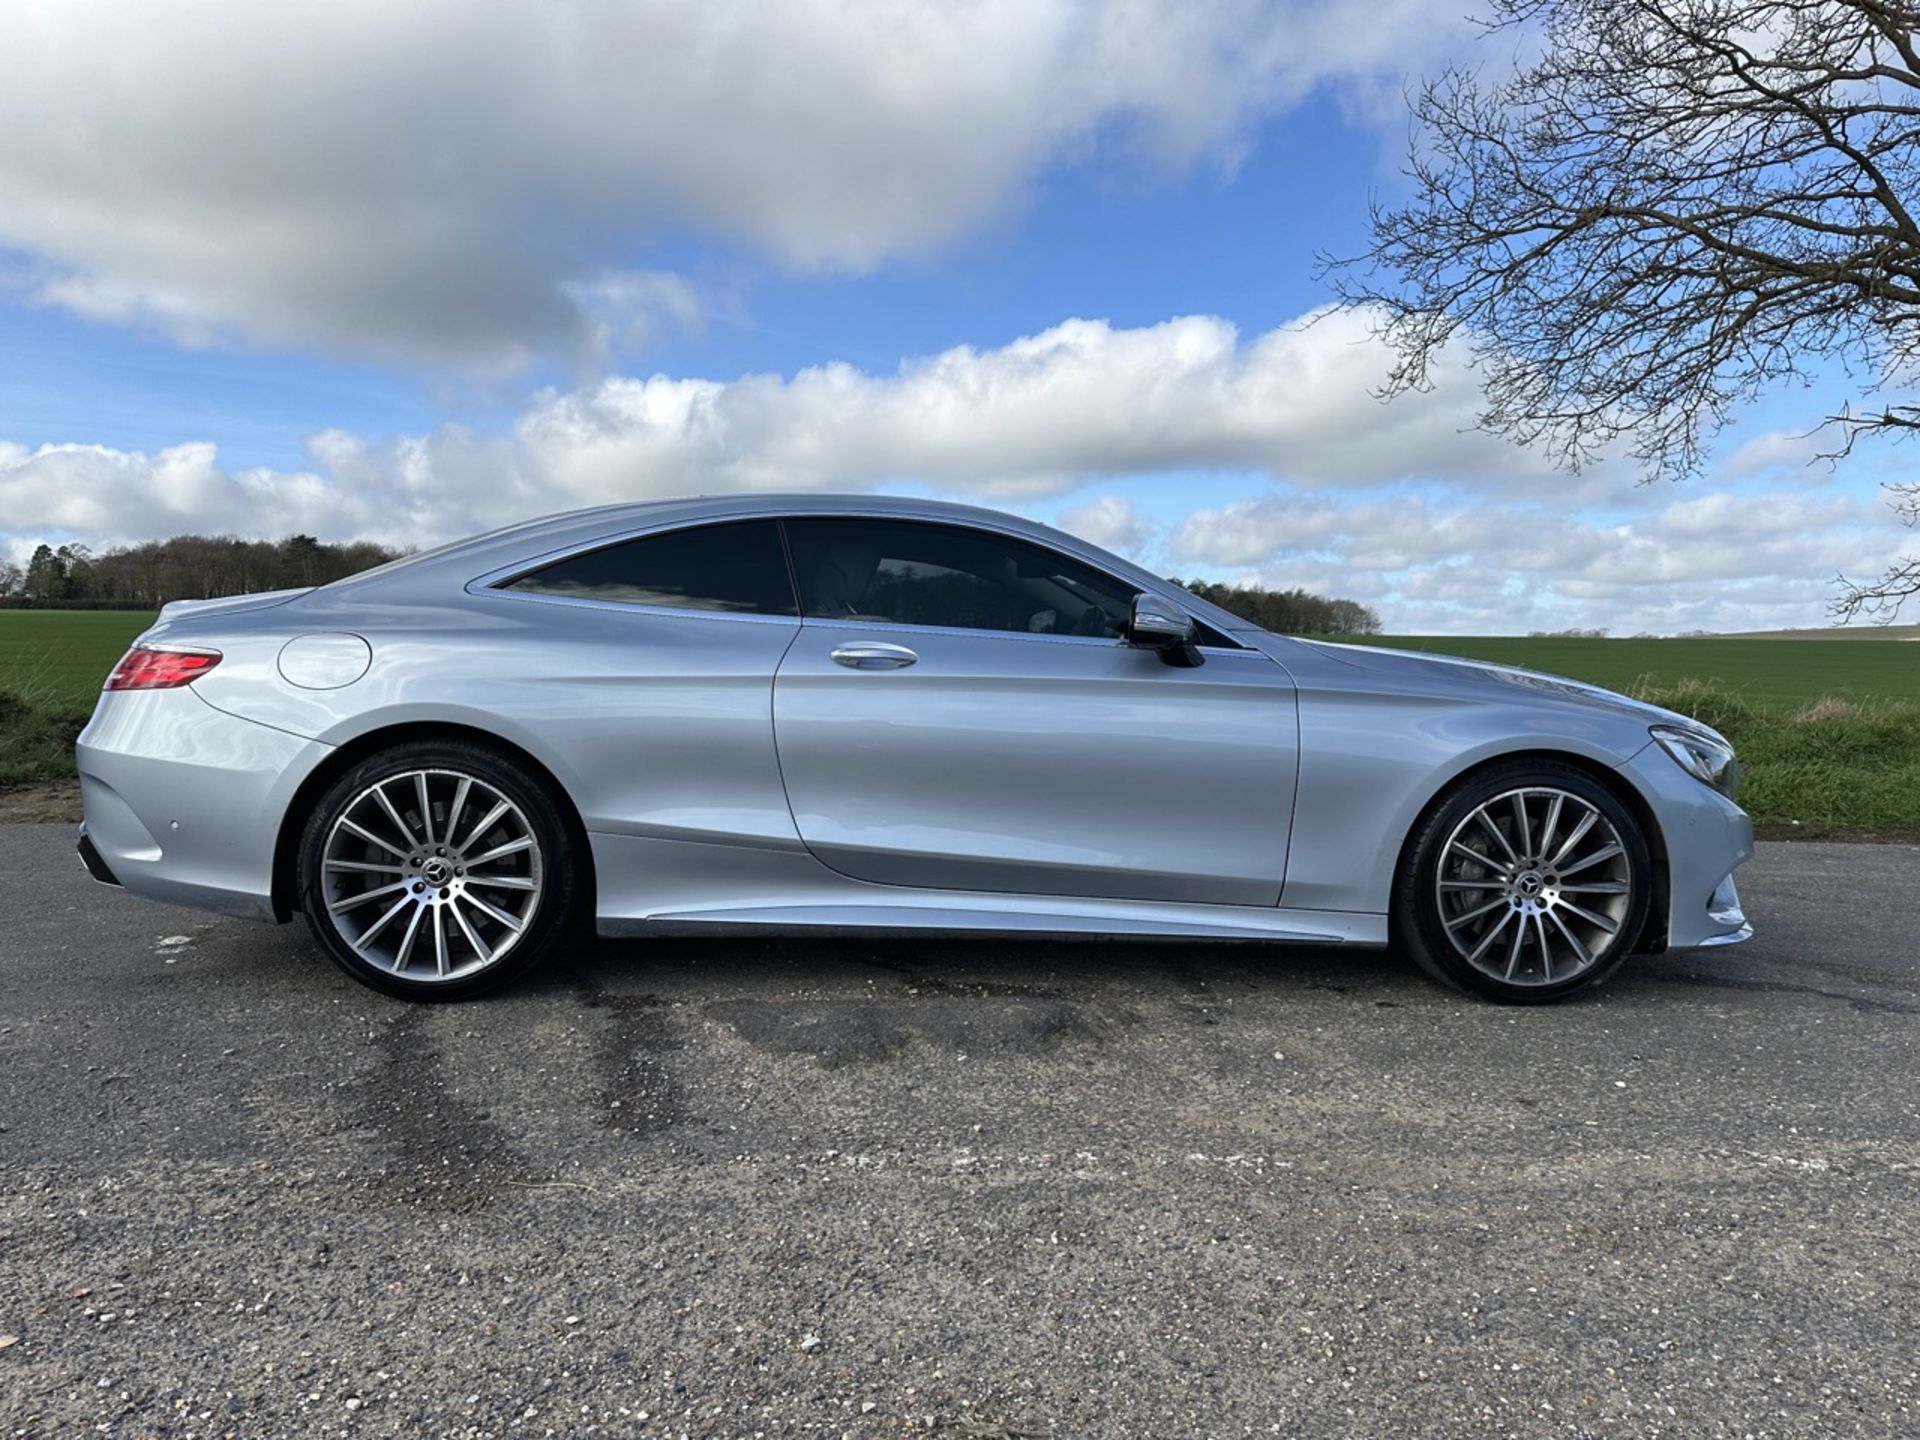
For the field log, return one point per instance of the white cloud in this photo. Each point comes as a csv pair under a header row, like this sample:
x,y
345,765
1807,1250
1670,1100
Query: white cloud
x,y
1792,451
1401,505
104,496
1249,531
444,182
1111,522
1686,561
1034,417
626,309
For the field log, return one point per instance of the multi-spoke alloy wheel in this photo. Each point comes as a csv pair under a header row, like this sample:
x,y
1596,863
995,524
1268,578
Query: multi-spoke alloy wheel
x,y
1529,883
1534,886
430,870
431,874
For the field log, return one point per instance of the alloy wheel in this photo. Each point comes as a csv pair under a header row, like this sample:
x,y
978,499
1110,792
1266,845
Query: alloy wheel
x,y
1534,886
431,874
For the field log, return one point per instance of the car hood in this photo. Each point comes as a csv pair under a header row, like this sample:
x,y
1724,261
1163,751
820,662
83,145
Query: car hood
x,y
1417,665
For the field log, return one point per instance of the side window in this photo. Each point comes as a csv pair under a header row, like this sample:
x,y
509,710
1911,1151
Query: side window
x,y
738,567
911,572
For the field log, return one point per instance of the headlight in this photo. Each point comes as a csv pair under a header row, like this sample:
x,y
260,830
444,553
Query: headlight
x,y
1708,759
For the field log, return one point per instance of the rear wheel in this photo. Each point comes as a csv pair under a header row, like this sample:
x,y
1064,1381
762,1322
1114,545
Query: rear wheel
x,y
1527,883
438,869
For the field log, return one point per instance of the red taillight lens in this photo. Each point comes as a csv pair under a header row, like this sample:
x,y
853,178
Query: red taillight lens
x,y
142,669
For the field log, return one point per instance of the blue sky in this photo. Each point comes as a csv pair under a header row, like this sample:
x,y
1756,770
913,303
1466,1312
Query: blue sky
x,y
1123,243
232,306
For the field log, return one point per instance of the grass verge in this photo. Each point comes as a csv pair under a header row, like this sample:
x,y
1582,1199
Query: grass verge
x,y
37,731
1831,765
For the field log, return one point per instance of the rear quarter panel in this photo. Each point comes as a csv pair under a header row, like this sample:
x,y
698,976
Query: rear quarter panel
x,y
656,724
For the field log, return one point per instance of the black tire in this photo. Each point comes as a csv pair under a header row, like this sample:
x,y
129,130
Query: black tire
x,y
1420,929
547,875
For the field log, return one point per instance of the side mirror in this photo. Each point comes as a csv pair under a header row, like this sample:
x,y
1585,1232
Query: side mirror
x,y
1156,625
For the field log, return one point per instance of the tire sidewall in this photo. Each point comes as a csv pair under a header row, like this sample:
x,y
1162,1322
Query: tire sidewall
x,y
558,906
1416,912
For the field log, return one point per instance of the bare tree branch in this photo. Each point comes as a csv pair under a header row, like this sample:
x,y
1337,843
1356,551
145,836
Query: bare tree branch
x,y
1679,204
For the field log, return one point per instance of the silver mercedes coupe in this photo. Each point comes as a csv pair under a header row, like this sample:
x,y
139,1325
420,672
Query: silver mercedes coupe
x,y
798,711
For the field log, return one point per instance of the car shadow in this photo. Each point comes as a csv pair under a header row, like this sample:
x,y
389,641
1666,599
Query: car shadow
x,y
905,967
977,966
1086,968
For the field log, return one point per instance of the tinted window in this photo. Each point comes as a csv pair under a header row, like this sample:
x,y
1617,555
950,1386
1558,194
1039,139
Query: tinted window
x,y
739,568
910,573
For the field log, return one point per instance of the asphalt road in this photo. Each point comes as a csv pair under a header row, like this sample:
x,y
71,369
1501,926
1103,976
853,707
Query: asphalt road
x,y
992,1188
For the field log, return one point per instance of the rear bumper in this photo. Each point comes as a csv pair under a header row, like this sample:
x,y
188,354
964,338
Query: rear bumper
x,y
95,862
183,802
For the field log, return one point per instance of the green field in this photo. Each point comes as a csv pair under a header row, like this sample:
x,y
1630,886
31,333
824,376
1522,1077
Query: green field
x,y
1770,674
60,657
52,664
1828,729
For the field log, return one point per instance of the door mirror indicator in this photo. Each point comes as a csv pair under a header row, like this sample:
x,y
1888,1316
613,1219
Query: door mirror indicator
x,y
1156,625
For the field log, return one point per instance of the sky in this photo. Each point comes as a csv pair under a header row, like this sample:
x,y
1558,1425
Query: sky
x,y
404,272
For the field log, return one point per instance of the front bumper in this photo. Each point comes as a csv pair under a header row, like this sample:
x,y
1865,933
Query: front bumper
x,y
1707,838
1724,909
183,802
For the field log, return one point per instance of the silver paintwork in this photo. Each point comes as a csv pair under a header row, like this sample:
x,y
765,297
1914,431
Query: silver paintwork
x,y
729,769
324,662
1045,765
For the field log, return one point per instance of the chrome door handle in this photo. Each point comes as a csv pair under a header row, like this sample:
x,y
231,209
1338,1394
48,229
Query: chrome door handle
x,y
873,655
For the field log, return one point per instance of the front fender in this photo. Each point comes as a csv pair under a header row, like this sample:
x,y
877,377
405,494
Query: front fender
x,y
1373,760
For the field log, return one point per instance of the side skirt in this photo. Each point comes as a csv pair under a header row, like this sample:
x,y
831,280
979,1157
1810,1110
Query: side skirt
x,y
652,886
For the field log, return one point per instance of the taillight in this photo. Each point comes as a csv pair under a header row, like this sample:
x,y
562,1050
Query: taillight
x,y
142,668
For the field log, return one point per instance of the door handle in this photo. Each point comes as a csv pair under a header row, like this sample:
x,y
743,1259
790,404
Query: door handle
x,y
872,655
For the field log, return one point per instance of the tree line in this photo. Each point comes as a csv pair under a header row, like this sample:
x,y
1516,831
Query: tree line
x,y
187,567
1289,612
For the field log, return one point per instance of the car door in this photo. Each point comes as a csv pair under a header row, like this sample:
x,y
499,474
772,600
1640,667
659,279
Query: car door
x,y
959,712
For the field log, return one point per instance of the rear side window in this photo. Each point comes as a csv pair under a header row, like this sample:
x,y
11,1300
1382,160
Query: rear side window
x,y
740,568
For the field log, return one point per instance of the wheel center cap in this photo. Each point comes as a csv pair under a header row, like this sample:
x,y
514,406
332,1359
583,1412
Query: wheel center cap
x,y
436,872
1529,885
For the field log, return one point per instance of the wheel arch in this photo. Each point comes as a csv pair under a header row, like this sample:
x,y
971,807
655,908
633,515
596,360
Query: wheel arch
x,y
293,820
1653,937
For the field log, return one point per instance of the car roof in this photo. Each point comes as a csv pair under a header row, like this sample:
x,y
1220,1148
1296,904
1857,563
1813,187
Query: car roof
x,y
566,528
528,540
455,565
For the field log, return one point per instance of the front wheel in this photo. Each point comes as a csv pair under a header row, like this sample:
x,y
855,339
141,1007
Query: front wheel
x,y
1528,882
435,870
